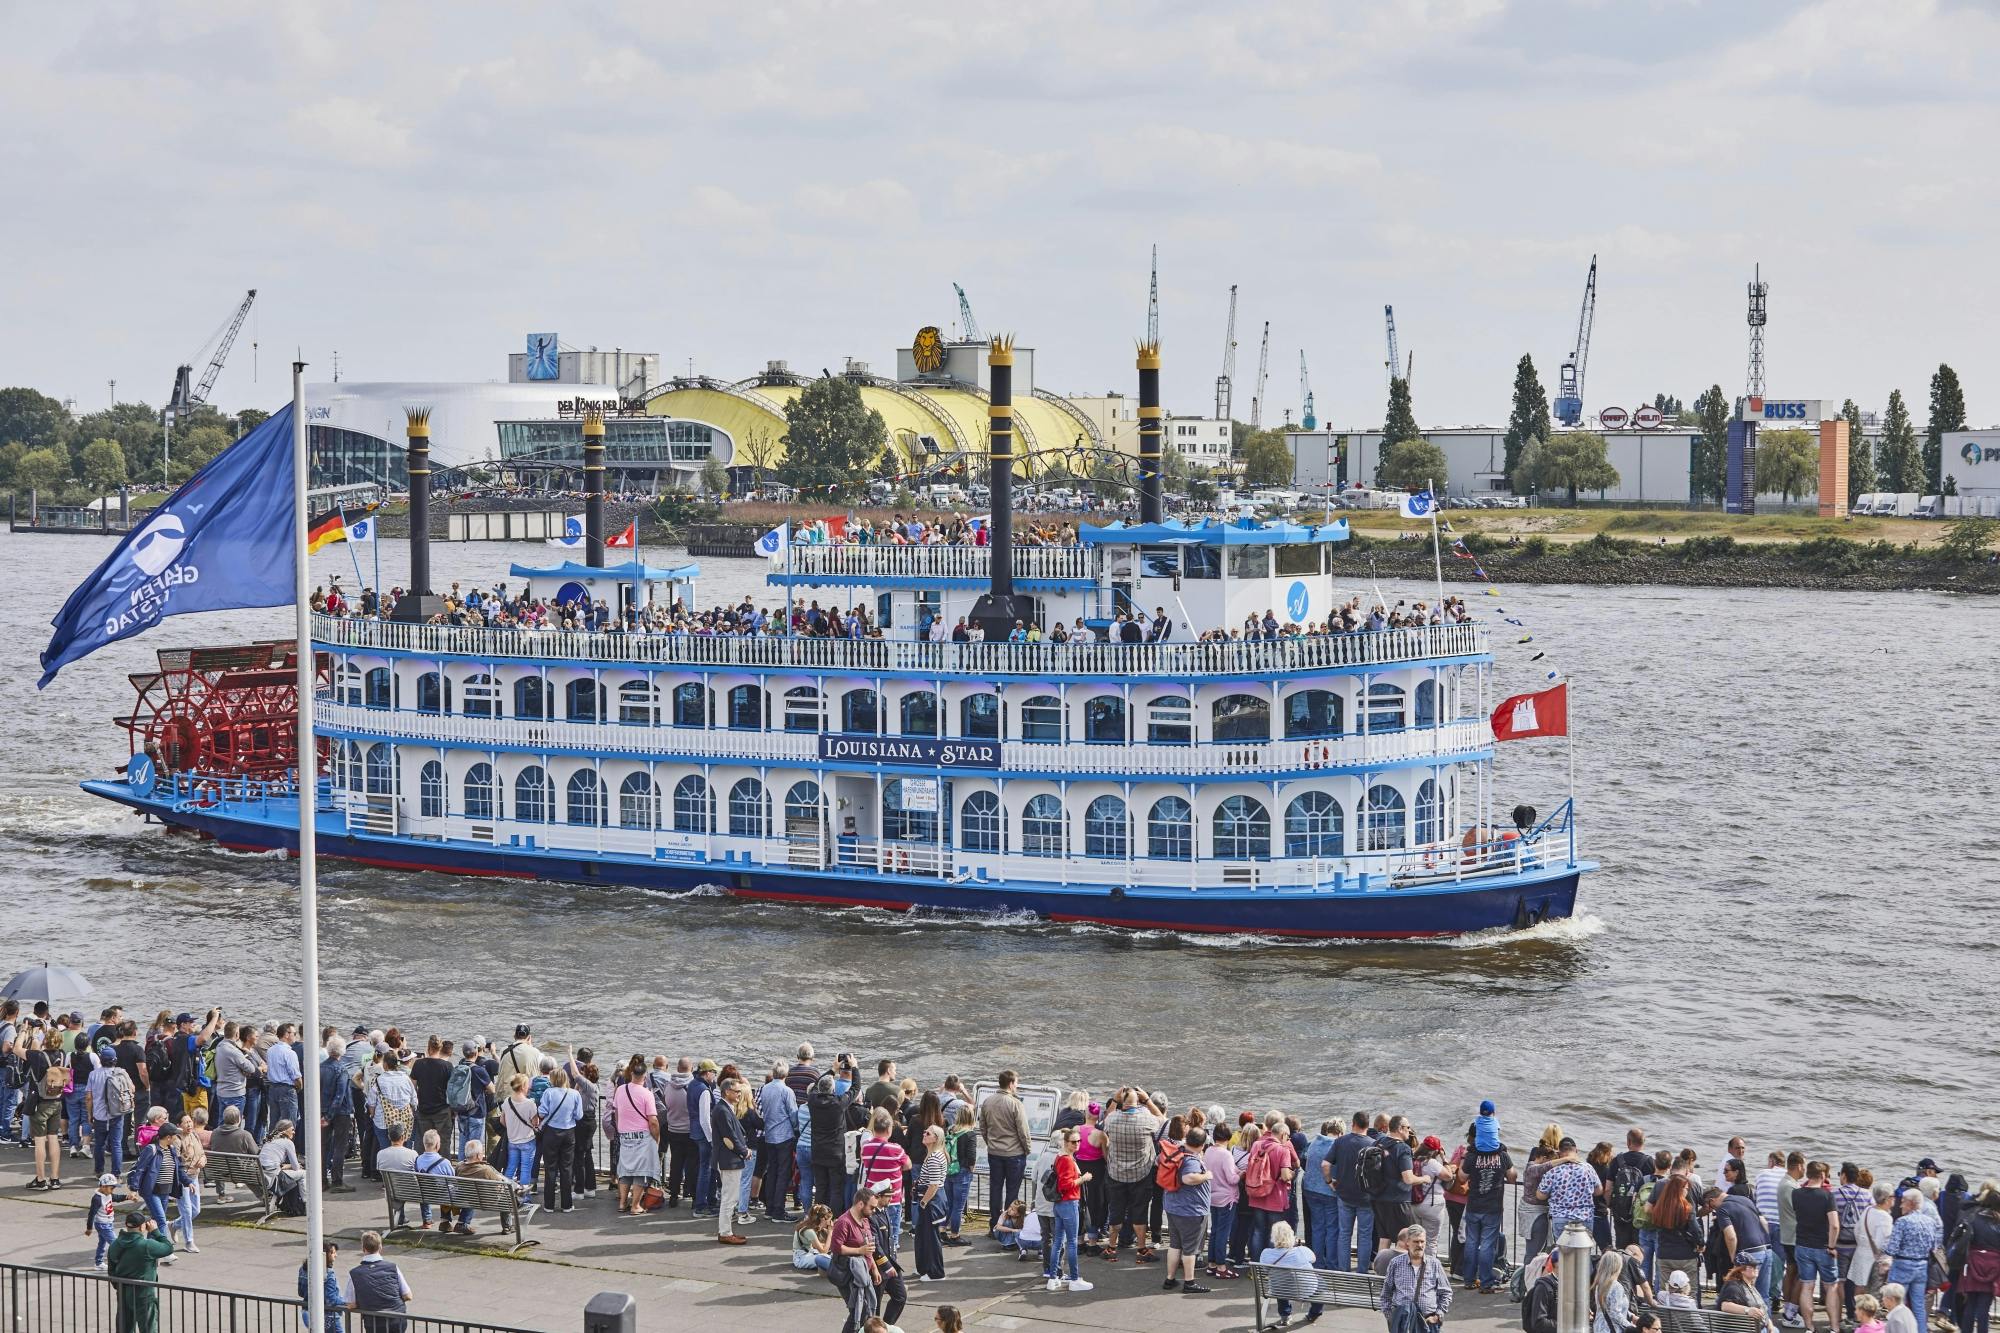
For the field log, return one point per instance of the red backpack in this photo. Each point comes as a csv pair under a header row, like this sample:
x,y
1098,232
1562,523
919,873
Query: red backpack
x,y
1167,1172
1258,1177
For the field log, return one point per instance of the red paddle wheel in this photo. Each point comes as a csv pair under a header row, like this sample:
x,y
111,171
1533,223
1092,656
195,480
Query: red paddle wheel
x,y
230,712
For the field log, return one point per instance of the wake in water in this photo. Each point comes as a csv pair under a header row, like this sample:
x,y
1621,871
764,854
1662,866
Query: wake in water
x,y
1568,930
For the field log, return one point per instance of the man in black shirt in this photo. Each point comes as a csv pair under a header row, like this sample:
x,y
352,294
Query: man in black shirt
x,y
1487,1175
131,1057
431,1072
1630,1170
1392,1198
1354,1217
1816,1241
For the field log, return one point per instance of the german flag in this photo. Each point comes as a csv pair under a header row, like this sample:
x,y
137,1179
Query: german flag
x,y
331,528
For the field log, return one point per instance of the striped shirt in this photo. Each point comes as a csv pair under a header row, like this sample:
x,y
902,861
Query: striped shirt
x,y
883,1160
1852,1201
1766,1191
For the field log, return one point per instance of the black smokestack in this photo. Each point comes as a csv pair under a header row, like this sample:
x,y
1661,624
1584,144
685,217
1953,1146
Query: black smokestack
x,y
1150,426
593,489
1000,608
419,467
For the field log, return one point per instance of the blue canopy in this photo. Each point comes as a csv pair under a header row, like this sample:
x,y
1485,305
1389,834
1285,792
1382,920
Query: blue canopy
x,y
629,572
1212,532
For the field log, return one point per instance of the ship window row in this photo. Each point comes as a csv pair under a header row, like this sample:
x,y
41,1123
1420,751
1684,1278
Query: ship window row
x,y
1103,718
1313,823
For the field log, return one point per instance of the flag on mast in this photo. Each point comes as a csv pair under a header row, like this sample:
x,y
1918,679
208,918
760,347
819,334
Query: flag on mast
x,y
1544,713
572,538
1420,505
776,541
624,540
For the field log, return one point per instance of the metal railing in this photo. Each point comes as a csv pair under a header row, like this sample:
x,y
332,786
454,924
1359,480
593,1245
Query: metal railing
x,y
50,1300
1204,759
1179,661
932,562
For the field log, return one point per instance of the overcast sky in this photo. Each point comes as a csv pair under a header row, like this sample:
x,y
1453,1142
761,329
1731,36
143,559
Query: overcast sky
x,y
419,186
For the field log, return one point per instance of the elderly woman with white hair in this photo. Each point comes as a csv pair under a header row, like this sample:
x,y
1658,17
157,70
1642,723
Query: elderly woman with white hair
x,y
1870,1266
1295,1279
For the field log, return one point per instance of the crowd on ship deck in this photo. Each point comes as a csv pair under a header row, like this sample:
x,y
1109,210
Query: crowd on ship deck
x,y
872,1173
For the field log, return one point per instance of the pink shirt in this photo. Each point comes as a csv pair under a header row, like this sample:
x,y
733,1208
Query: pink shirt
x,y
1224,1177
884,1159
1282,1157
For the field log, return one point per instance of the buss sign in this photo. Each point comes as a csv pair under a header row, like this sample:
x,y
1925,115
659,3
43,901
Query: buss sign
x,y
1782,409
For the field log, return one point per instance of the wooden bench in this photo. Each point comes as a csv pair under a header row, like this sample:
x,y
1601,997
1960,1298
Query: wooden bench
x,y
1354,1291
1675,1320
231,1169
402,1188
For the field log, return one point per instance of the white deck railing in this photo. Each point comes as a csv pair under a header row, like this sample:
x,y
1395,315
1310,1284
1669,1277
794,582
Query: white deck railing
x,y
934,562
983,660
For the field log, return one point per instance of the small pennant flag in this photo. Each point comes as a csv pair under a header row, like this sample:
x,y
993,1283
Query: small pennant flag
x,y
362,529
624,540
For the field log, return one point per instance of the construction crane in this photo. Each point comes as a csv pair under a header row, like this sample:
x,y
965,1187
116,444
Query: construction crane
x,y
1224,388
1263,371
968,327
1569,385
1389,318
1760,292
1153,304
1307,419
183,400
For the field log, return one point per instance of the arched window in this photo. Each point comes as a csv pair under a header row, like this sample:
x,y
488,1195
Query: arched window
x,y
694,805
860,713
586,798
979,823
1385,707
347,766
1427,703
1104,720
1170,830
482,793
433,693
1314,826
347,685
1242,830
639,703
746,708
749,810
901,823
802,802
1106,831
802,708
531,697
583,701
979,716
482,696
1383,821
1170,720
691,705
638,802
1312,713
919,714
1242,717
1429,812
534,796
380,774
1042,719
430,790
1043,826
378,688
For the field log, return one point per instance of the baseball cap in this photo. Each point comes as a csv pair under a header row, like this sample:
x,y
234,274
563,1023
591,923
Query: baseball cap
x,y
1677,1280
107,1179
1432,1143
882,1187
472,1044
708,1067
1928,1164
360,1030
1486,1107
183,1018
521,1030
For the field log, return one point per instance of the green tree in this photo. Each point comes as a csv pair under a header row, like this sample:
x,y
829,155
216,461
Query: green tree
x,y
1670,406
249,419
1401,422
1266,459
1860,458
1530,418
1969,538
1523,478
1412,465
1711,459
45,470
198,448
103,466
1900,460
33,418
1947,413
10,456
135,426
714,476
1574,460
831,436
1787,462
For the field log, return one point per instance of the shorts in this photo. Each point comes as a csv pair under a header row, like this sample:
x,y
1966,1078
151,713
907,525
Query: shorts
x,y
1815,1265
46,1118
1390,1219
1130,1201
1186,1234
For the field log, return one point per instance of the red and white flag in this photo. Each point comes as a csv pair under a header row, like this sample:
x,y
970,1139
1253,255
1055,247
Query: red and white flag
x,y
1542,714
625,538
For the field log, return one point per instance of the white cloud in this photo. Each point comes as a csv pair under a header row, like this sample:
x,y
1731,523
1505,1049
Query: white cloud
x,y
353,131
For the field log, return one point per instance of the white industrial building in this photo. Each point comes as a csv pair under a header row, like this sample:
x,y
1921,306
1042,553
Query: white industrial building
x,y
1654,466
1972,459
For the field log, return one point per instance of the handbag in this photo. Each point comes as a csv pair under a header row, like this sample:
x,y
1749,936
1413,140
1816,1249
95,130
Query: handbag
x,y
652,1198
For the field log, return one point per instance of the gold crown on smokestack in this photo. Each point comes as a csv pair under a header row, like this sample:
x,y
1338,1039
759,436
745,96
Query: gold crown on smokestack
x,y
1149,356
593,421
419,419
1001,352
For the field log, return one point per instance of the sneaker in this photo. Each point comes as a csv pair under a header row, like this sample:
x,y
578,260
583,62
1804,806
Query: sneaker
x,y
1195,1289
55,1184
101,1267
1171,1284
1078,1284
191,1248
570,1209
38,1184
169,1259
1054,1283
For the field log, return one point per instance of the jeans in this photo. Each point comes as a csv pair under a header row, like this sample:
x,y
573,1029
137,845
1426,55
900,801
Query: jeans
x,y
1355,1221
521,1163
1063,1242
742,1195
156,1204
1003,1184
222,1104
892,1213
1222,1221
75,1114
777,1176
1322,1220
1913,1274
10,1104
334,1141
105,1236
957,1190
283,1101
471,1129
558,1167
1261,1222
253,1110
704,1177
190,1210
1482,1246
1649,1251
1767,1275
725,1215
108,1139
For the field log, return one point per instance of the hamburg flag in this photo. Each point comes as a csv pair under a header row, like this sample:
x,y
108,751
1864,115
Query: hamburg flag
x,y
222,541
1545,713
626,538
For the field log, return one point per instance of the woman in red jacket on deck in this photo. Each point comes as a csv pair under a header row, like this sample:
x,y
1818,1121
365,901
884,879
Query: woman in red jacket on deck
x,y
1070,1180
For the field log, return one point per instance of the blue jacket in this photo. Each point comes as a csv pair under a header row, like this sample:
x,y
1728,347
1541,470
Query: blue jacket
x,y
336,1090
158,1171
728,1130
697,1092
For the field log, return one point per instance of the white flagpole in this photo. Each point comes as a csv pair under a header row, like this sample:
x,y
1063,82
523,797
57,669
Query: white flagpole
x,y
353,556
308,799
1437,550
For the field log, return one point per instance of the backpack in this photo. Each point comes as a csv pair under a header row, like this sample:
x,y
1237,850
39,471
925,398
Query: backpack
x,y
159,1063
119,1096
1258,1177
458,1089
204,1076
1642,1204
55,1079
1167,1173
1373,1169
1538,1311
1626,1183
1051,1192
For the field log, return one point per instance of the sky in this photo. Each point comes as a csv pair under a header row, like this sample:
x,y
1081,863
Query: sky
x,y
418,187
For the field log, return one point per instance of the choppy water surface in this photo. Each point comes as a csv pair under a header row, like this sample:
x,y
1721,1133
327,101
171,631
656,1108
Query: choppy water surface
x,y
1793,795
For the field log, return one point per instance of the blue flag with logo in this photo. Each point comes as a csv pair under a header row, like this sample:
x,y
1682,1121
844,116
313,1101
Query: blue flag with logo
x,y
222,541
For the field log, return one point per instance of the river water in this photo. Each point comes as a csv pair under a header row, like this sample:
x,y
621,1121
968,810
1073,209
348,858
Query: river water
x,y
1792,794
